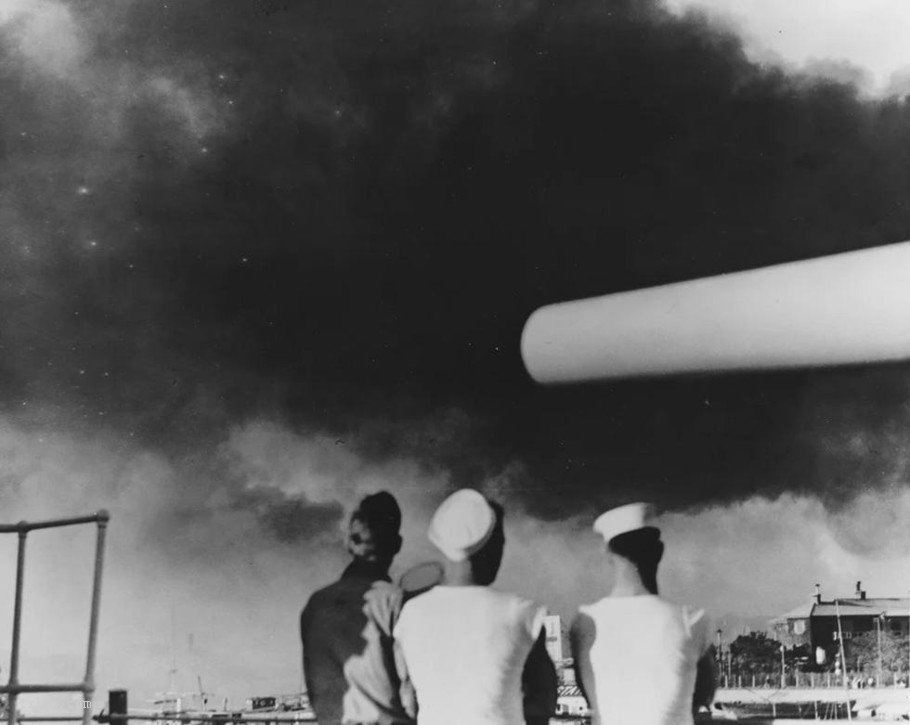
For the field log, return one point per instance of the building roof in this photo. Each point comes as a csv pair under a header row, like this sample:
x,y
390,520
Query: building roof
x,y
803,611
890,607
849,607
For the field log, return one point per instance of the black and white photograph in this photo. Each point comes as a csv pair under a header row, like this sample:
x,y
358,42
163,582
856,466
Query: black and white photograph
x,y
454,362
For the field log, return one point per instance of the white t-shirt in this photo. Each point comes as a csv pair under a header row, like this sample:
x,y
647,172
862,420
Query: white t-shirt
x,y
637,659
465,649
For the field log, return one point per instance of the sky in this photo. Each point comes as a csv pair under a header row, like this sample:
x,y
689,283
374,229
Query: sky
x,y
263,258
862,39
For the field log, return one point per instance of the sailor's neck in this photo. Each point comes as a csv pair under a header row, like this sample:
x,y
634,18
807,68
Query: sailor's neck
x,y
631,586
364,569
459,574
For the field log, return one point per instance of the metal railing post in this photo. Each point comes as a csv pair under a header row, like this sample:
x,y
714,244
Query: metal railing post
x,y
89,678
17,628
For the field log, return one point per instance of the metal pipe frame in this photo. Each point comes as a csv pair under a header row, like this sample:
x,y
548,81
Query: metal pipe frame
x,y
32,689
99,517
87,686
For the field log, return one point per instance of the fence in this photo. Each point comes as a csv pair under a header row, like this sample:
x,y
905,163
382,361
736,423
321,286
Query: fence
x,y
795,678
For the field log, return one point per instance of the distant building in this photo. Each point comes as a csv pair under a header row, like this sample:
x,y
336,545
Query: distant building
x,y
792,629
279,703
570,702
815,624
558,648
557,638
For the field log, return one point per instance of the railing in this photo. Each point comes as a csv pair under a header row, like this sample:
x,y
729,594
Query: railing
x,y
87,687
118,714
814,680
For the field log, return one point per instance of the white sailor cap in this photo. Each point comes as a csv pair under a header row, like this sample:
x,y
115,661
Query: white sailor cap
x,y
623,519
462,524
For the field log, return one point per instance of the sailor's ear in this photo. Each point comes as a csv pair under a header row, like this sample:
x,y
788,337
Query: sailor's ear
x,y
396,544
358,539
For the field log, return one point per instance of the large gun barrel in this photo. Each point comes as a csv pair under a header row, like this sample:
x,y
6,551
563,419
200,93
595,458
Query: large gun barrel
x,y
841,309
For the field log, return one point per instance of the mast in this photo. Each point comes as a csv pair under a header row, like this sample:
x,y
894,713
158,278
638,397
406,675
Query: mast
x,y
879,626
843,658
172,673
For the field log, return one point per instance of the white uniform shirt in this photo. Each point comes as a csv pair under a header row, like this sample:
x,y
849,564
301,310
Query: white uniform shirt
x,y
465,649
637,657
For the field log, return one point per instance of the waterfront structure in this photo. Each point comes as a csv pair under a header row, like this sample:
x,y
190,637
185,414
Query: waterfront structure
x,y
571,703
815,624
296,702
557,639
557,634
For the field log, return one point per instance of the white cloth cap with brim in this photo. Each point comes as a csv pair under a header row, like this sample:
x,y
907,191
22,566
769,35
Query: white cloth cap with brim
x,y
462,524
623,519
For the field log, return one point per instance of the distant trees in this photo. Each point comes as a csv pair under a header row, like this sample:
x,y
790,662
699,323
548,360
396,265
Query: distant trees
x,y
758,655
800,657
755,653
864,650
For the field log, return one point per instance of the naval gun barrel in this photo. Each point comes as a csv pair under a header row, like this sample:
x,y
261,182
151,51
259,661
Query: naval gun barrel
x,y
841,309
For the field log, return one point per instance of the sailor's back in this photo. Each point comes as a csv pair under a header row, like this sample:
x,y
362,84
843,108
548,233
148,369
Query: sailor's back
x,y
637,657
465,648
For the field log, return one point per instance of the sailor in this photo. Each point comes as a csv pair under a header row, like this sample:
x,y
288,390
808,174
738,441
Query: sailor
x,y
346,628
474,655
640,658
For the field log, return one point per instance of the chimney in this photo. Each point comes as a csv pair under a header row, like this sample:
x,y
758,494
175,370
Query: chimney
x,y
860,594
818,594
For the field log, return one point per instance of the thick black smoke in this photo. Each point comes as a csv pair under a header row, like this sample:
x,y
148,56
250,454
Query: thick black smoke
x,y
340,214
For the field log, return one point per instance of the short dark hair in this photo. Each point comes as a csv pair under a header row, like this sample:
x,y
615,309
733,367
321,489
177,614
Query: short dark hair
x,y
379,511
485,562
643,548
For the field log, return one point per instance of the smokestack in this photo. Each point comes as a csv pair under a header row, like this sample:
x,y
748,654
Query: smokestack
x,y
860,594
818,594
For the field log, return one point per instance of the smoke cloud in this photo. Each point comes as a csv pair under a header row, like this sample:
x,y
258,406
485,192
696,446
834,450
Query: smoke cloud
x,y
342,216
